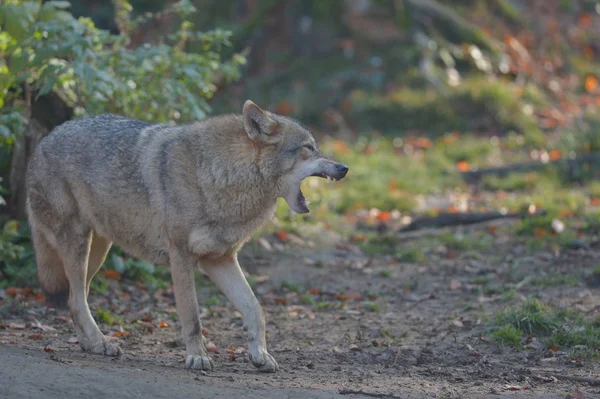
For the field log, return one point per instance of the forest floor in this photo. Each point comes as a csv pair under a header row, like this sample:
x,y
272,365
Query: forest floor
x,y
341,323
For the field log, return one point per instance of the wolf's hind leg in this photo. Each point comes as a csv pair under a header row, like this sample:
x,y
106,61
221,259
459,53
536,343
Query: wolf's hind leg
x,y
98,251
228,276
74,250
183,265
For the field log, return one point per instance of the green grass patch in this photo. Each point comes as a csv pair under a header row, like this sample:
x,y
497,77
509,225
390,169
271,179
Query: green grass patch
x,y
476,104
508,335
410,255
555,280
107,317
563,328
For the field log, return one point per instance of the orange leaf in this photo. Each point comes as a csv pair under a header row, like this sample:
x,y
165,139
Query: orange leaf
x,y
384,216
314,291
588,51
163,324
555,154
539,232
566,213
13,291
554,348
392,186
452,209
147,319
284,108
121,333
463,166
591,84
342,297
340,146
492,229
36,336
358,238
585,20
595,201
281,235
422,142
110,273
281,301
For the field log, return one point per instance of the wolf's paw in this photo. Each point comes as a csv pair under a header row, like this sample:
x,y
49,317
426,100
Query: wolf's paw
x,y
263,361
199,362
103,347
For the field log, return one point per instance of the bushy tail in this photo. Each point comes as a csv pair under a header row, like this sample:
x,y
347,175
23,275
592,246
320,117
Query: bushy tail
x,y
51,272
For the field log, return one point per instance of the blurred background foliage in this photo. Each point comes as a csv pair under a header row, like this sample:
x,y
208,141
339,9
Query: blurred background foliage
x,y
413,94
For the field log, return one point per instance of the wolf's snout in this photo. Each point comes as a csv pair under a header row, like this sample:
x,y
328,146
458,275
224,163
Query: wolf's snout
x,y
343,169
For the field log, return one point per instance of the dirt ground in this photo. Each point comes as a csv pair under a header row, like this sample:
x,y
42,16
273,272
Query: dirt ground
x,y
377,328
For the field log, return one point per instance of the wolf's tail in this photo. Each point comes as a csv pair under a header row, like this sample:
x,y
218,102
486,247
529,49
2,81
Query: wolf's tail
x,y
51,272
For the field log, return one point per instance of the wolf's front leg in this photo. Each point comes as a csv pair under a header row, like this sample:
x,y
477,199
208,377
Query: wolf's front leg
x,y
228,276
183,265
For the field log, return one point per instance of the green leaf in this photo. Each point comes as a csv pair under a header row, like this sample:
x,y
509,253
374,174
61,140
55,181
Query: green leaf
x,y
118,263
4,131
48,86
61,5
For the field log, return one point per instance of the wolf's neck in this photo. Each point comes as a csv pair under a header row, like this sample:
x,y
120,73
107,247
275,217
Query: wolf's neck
x,y
229,174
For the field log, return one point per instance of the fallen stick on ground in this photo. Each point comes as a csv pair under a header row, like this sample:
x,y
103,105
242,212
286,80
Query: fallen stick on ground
x,y
473,176
458,219
372,394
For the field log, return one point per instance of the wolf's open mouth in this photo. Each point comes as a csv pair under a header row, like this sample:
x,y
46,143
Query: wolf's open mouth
x,y
325,176
301,202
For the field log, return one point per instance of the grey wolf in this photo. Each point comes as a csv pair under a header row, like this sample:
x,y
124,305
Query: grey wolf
x,y
182,195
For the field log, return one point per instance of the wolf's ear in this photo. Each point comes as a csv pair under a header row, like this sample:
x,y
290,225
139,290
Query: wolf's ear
x,y
257,123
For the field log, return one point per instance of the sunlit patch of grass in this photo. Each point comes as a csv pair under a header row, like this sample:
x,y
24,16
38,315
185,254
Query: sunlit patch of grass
x,y
476,103
371,307
555,280
563,328
457,241
107,317
512,182
411,255
508,335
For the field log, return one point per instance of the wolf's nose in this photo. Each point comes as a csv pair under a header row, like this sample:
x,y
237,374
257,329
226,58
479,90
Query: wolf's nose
x,y
343,169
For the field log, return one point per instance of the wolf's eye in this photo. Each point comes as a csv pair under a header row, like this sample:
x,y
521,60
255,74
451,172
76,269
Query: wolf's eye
x,y
309,147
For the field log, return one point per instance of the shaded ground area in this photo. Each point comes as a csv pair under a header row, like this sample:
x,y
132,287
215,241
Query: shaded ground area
x,y
339,320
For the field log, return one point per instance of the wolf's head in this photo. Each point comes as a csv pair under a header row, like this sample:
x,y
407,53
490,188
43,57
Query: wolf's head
x,y
288,153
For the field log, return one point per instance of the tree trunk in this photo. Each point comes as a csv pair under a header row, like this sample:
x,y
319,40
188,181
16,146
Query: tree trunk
x,y
23,148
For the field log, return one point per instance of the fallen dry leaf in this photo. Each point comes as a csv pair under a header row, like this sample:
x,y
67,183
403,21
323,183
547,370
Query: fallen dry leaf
x,y
16,326
281,301
36,336
163,324
591,83
211,347
549,378
281,235
121,333
354,348
463,166
112,274
455,285
73,340
43,327
515,388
